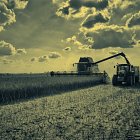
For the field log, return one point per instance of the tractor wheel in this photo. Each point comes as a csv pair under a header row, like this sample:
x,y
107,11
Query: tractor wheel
x,y
130,81
114,80
137,79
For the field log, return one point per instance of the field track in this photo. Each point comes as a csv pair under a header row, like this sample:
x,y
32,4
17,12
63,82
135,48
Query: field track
x,y
102,112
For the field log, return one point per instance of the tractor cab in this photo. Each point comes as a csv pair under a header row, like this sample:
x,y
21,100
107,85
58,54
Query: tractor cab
x,y
124,69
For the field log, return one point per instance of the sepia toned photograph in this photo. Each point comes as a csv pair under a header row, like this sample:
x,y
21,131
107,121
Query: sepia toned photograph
x,y
69,69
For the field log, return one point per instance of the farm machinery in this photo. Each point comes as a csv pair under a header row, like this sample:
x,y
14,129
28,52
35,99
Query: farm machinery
x,y
85,69
126,74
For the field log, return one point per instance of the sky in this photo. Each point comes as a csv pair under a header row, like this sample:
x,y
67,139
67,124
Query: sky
x,y
45,35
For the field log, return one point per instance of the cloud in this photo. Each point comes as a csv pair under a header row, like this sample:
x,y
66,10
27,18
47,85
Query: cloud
x,y
54,55
113,52
77,4
34,59
96,3
7,14
78,8
6,61
93,19
17,4
71,13
76,43
21,51
134,20
43,58
103,36
121,10
110,36
6,49
67,49
106,23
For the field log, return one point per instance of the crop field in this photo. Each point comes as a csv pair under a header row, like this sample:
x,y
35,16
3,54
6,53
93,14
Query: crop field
x,y
102,112
17,87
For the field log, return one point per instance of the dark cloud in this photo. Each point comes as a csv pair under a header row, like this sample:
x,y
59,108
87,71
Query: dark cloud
x,y
45,31
93,19
134,20
7,14
16,4
75,3
121,10
111,36
65,10
95,3
71,7
106,23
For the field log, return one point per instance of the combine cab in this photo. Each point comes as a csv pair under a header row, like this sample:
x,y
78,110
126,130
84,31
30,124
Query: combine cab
x,y
85,66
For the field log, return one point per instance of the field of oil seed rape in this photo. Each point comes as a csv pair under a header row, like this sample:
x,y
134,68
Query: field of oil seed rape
x,y
102,112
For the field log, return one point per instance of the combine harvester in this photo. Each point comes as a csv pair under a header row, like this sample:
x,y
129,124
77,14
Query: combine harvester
x,y
126,74
85,68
